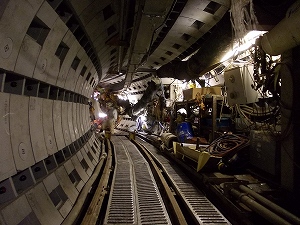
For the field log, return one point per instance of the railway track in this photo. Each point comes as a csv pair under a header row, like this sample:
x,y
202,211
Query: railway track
x,y
140,186
200,209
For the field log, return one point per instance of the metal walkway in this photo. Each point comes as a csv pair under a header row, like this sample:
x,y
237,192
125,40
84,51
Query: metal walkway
x,y
204,211
135,198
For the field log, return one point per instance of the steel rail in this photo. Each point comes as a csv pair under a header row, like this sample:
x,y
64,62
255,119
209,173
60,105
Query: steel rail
x,y
172,202
200,209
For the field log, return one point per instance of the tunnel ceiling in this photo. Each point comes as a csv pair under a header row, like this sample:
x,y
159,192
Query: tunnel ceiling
x,y
133,39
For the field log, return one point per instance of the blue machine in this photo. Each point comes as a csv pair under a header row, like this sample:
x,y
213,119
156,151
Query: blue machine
x,y
184,131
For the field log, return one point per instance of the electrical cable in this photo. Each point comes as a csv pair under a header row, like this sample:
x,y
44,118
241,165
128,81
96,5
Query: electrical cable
x,y
227,144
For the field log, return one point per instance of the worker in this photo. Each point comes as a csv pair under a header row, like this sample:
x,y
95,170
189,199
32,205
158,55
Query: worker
x,y
112,116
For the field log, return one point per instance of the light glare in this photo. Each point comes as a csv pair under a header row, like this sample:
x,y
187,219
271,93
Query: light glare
x,y
247,41
102,115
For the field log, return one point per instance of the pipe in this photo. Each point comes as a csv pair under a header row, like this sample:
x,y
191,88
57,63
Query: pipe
x,y
286,214
285,35
213,48
259,209
145,99
123,29
131,67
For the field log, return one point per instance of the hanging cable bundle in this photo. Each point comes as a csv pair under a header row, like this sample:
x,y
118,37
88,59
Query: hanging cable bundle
x,y
227,144
242,17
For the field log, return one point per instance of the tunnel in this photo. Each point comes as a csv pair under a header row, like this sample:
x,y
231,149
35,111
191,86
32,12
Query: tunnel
x,y
56,53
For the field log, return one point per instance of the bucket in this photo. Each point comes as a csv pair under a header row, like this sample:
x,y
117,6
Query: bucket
x,y
184,131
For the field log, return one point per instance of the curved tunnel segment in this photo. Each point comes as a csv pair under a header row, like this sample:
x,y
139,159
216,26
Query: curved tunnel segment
x,y
48,71
50,54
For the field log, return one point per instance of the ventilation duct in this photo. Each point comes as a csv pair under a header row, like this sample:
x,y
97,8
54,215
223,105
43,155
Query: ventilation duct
x,y
146,98
285,35
209,54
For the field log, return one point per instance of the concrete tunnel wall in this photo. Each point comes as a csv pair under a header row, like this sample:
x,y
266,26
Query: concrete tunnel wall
x,y
48,151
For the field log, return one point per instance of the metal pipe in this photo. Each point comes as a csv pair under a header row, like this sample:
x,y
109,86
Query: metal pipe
x,y
214,117
146,98
123,29
258,208
285,35
286,214
131,67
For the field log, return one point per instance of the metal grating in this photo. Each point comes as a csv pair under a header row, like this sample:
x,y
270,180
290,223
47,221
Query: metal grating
x,y
149,202
151,210
134,198
202,208
121,203
121,207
